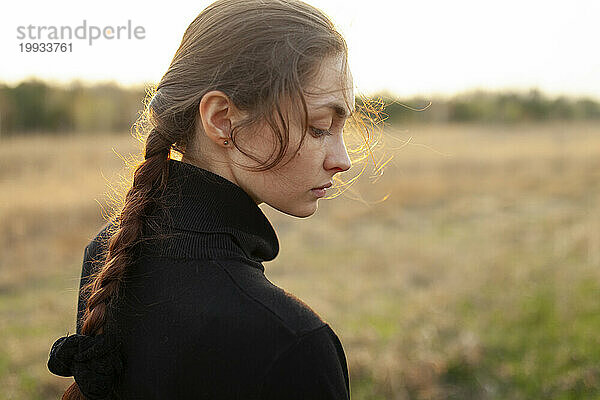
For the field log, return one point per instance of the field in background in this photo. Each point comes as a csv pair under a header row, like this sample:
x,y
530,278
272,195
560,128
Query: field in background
x,y
478,278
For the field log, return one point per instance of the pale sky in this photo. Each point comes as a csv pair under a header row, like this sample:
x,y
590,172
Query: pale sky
x,y
406,47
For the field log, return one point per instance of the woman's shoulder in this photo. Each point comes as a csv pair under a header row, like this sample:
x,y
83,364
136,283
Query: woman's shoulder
x,y
293,313
246,275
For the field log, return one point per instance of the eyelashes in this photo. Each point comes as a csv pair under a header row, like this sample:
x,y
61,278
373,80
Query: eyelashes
x,y
320,132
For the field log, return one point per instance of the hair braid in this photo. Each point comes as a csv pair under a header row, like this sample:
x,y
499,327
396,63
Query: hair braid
x,y
149,177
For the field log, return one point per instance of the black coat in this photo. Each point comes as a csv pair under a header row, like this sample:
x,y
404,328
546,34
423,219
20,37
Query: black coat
x,y
197,317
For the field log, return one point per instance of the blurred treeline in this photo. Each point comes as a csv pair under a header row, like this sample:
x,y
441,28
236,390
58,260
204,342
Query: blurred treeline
x,y
37,106
491,107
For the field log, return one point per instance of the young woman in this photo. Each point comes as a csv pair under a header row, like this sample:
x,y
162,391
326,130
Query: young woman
x,y
174,301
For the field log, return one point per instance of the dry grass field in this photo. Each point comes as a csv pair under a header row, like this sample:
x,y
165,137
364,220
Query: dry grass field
x,y
477,278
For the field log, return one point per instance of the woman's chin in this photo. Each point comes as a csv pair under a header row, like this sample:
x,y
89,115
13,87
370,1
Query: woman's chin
x,y
301,211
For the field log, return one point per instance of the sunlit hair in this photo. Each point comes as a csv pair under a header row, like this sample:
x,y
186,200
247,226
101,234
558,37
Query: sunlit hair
x,y
260,53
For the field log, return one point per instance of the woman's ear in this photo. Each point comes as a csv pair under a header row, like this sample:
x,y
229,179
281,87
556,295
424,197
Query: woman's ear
x,y
216,113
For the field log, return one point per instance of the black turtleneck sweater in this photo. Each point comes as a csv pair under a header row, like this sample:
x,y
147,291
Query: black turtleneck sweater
x,y
197,317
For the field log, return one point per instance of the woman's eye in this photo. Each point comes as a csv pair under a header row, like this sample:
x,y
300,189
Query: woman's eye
x,y
320,132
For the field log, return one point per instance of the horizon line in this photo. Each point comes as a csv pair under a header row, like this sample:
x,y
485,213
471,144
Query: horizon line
x,y
385,93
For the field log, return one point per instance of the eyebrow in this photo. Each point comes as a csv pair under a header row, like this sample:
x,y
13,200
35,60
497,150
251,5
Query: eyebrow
x,y
339,109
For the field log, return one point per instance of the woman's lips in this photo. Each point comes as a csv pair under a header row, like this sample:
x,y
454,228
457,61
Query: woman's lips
x,y
319,192
325,186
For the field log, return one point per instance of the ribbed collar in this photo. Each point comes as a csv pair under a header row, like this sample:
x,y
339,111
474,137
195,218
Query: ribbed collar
x,y
200,201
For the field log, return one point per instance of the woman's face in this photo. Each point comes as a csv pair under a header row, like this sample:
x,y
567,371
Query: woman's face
x,y
290,188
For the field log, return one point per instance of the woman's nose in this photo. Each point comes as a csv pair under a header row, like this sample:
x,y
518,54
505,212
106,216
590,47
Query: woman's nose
x,y
337,158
